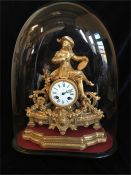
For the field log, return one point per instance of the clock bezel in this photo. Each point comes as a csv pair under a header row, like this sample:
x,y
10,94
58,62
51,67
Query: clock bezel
x,y
69,81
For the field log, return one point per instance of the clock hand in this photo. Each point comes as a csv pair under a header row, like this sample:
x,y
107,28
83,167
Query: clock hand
x,y
68,91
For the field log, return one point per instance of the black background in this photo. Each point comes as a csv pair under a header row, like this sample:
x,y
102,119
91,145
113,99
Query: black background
x,y
115,16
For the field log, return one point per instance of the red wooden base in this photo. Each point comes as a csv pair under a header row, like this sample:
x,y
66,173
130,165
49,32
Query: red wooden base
x,y
99,148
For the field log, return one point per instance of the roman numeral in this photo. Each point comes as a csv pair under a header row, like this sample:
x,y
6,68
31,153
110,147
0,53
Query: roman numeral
x,y
58,100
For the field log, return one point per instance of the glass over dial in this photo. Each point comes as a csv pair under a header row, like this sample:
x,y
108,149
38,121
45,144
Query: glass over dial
x,y
63,93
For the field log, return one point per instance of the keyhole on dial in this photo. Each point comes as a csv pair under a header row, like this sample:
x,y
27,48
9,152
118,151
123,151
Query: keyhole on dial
x,y
56,97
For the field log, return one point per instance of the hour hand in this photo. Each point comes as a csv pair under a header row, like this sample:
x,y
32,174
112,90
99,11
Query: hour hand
x,y
68,91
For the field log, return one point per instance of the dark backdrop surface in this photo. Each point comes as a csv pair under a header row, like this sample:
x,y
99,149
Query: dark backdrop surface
x,y
115,16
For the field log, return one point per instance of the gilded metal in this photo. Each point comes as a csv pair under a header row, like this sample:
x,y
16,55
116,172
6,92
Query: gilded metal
x,y
82,112
63,142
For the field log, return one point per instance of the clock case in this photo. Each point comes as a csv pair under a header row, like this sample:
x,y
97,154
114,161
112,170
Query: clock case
x,y
35,47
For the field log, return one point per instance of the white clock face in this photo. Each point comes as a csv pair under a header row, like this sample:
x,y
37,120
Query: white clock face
x,y
63,93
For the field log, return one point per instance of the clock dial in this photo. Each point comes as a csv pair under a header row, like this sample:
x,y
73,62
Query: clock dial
x,y
63,93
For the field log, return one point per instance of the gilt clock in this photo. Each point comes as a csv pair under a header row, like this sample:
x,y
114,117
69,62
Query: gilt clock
x,y
64,83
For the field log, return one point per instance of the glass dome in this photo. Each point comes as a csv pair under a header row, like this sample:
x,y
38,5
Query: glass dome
x,y
42,36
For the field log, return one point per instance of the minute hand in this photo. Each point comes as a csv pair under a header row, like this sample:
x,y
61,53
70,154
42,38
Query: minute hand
x,y
68,91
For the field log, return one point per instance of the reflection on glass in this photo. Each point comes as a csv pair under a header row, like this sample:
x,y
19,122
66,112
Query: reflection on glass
x,y
91,41
97,36
101,48
83,35
41,29
34,27
56,13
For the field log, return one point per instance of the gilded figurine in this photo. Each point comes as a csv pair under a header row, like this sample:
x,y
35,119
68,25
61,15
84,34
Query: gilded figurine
x,y
63,57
